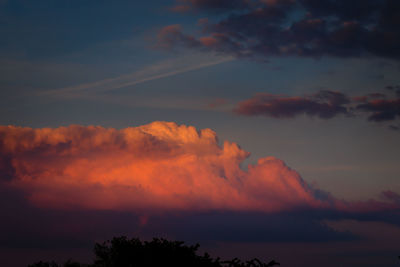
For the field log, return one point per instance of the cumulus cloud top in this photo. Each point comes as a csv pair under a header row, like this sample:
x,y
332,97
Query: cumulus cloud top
x,y
160,165
156,167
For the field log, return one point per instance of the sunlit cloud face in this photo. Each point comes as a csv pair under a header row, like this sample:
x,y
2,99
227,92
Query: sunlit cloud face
x,y
160,165
156,167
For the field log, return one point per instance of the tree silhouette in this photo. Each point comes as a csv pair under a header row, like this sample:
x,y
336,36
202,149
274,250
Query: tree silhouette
x,y
68,263
123,252
44,264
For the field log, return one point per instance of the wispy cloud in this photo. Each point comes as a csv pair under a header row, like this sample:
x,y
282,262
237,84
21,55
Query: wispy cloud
x,y
153,72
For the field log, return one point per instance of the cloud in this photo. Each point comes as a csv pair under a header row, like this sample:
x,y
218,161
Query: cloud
x,y
381,109
324,104
65,188
159,166
236,226
75,228
156,167
306,28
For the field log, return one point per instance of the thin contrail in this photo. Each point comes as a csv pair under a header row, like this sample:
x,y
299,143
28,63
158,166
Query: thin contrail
x,y
132,79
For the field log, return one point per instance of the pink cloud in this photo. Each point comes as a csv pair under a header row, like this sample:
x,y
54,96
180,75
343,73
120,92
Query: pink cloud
x,y
156,167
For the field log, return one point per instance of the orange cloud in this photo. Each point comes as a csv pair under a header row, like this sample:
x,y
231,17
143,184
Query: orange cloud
x,y
208,41
159,166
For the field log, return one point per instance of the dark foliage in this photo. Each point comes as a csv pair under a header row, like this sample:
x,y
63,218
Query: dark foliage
x,y
69,263
123,252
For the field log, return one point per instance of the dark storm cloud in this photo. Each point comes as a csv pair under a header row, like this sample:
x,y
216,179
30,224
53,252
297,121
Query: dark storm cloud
x,y
225,226
307,28
49,229
24,226
27,227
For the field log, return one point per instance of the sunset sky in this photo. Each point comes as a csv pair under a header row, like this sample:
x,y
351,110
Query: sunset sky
x,y
258,128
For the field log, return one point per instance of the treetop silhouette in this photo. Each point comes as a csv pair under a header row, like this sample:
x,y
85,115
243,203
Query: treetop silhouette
x,y
124,252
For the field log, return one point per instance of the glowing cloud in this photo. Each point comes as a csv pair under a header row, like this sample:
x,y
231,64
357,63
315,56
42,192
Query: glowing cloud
x,y
159,166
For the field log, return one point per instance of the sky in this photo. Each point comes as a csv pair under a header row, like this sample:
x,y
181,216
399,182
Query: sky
x,y
257,128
